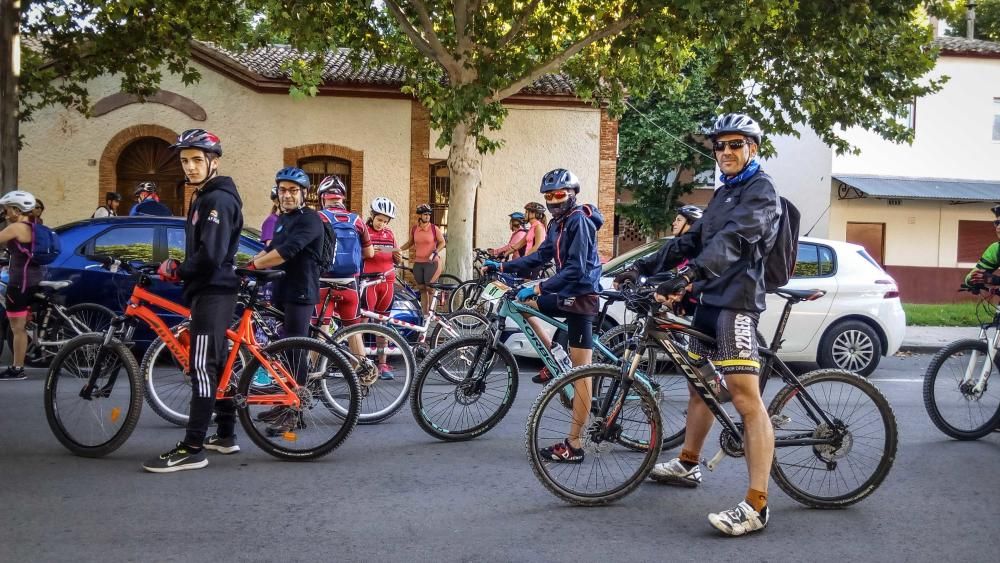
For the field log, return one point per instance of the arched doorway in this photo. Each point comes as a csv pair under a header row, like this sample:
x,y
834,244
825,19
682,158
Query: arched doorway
x,y
150,159
319,167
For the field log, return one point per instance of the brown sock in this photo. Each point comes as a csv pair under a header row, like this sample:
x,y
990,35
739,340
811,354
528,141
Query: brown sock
x,y
756,499
689,457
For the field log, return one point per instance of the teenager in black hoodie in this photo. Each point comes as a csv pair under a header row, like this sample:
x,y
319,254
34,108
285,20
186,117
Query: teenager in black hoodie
x,y
212,236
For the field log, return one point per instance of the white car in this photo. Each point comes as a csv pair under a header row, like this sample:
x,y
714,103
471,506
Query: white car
x,y
859,320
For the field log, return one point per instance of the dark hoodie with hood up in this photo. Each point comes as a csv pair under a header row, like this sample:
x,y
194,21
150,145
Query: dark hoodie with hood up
x,y
570,242
212,235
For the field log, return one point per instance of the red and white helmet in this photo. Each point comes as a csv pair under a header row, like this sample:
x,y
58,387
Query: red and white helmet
x,y
384,206
331,186
19,199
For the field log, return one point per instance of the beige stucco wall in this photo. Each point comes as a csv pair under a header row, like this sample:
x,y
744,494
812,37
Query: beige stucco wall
x,y
917,233
536,139
255,129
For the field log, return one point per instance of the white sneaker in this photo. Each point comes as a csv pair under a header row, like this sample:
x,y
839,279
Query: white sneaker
x,y
674,473
739,520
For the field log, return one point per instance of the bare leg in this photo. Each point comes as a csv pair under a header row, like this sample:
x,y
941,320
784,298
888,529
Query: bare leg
x,y
20,337
699,423
581,397
758,435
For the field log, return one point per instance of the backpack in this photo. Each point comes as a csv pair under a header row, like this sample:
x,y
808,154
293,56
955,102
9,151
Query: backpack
x,y
779,263
45,246
434,232
346,260
329,249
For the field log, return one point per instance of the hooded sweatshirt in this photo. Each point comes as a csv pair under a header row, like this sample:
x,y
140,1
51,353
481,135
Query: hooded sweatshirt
x,y
570,242
212,235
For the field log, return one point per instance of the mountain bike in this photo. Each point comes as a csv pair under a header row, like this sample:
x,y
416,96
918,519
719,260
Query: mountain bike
x,y
409,292
93,394
957,394
835,433
465,387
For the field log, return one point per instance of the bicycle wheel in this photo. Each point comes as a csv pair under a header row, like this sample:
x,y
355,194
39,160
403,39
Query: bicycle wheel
x,y
957,403
464,322
464,388
95,317
609,469
669,387
312,430
445,299
167,387
99,424
465,295
863,429
380,397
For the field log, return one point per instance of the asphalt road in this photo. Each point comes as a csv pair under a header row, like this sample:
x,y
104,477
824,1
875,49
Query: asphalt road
x,y
393,493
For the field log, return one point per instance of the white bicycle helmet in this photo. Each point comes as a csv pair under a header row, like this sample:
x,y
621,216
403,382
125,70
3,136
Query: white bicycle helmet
x,y
21,200
384,206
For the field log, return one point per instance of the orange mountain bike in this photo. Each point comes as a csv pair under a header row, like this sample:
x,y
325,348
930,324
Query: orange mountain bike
x,y
93,393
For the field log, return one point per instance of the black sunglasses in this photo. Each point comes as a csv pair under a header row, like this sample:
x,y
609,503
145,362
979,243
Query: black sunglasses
x,y
736,145
996,222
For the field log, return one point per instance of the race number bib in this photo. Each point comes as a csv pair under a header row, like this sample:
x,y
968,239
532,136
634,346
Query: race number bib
x,y
494,291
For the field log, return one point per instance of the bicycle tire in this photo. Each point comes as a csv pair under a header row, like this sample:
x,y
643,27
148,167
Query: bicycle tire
x,y
465,295
84,348
827,454
469,323
463,390
936,382
445,300
371,385
645,410
285,445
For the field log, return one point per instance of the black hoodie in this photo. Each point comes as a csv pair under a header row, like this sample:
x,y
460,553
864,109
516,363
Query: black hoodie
x,y
212,234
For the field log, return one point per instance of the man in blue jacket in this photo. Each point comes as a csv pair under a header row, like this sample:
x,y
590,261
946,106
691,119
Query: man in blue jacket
x,y
571,242
212,236
148,202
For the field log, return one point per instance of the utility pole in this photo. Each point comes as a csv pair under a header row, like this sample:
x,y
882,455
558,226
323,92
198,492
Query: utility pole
x,y
10,72
970,19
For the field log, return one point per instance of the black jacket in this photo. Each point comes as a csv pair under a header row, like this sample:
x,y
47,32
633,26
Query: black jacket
x,y
298,238
727,246
212,234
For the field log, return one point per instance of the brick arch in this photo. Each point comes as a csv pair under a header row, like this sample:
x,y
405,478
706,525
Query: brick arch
x,y
356,158
107,172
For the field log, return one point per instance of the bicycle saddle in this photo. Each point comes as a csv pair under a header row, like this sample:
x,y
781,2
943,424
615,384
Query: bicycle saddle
x,y
55,285
262,275
798,295
442,286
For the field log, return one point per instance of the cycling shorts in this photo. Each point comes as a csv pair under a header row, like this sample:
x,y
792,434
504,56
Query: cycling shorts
x,y
423,272
18,302
735,333
579,326
343,304
378,297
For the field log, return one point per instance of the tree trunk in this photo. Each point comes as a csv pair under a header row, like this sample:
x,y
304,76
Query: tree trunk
x,y
10,16
465,167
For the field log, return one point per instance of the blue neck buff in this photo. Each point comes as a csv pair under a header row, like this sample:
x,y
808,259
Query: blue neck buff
x,y
749,170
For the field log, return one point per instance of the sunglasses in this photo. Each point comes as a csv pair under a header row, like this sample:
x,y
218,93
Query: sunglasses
x,y
720,146
552,196
996,222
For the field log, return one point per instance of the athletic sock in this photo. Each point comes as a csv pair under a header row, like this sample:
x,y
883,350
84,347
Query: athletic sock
x,y
689,459
756,499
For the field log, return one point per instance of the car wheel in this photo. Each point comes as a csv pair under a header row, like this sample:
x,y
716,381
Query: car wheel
x,y
850,345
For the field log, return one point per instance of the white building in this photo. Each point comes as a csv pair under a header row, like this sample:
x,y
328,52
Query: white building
x,y
921,210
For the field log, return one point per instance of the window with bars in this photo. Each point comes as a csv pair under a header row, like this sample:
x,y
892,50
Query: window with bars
x,y
440,191
319,167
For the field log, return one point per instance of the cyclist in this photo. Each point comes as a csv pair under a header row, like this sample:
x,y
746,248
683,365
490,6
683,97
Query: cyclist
x,y
296,248
571,293
25,275
518,232
147,202
535,213
36,213
110,208
725,274
354,244
378,297
683,221
212,236
267,227
983,273
427,241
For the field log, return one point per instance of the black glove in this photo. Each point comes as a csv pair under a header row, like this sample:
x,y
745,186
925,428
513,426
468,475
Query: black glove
x,y
676,285
629,276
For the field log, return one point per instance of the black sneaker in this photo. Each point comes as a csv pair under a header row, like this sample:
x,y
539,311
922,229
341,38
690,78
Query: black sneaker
x,y
13,374
562,452
226,445
180,458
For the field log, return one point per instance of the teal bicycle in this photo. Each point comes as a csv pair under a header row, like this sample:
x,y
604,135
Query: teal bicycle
x,y
464,388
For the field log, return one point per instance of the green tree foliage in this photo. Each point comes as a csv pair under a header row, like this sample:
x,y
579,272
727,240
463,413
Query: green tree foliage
x,y
657,145
987,19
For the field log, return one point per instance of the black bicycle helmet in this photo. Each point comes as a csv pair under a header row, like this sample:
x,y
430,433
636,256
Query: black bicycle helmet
x,y
198,139
274,193
145,187
690,212
536,208
996,210
112,196
739,123
424,208
560,179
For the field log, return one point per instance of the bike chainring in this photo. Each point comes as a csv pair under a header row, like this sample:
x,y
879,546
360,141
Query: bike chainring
x,y
843,442
731,443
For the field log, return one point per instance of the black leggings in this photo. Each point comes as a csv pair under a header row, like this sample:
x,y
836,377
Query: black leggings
x,y
297,319
579,327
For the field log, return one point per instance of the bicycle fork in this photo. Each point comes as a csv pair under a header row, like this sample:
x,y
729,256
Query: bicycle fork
x,y
89,392
976,389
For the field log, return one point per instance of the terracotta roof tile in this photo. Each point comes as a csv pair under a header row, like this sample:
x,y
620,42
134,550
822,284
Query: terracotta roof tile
x,y
963,46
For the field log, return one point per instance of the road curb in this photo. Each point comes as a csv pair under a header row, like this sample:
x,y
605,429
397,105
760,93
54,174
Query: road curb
x,y
920,348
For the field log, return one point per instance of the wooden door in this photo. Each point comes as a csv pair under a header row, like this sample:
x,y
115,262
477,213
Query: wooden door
x,y
871,236
151,159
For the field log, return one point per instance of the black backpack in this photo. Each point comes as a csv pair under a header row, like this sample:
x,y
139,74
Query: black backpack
x,y
329,250
779,264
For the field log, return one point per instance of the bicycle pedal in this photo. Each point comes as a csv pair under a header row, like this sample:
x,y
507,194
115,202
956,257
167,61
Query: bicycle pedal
x,y
716,460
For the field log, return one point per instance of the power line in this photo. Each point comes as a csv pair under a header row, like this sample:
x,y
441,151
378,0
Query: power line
x,y
668,133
